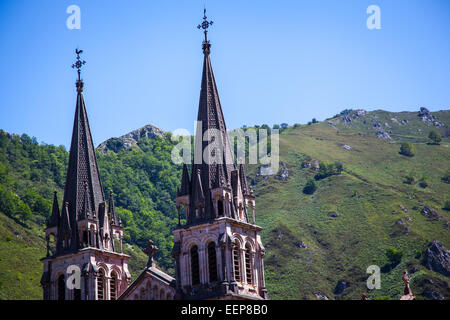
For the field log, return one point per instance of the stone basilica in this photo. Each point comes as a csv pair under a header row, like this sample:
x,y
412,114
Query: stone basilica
x,y
218,253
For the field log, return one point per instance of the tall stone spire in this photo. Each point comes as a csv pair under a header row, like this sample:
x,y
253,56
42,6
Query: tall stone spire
x,y
85,234
82,179
218,205
216,171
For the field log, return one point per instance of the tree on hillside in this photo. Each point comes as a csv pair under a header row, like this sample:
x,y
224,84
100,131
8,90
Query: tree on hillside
x,y
310,187
435,137
447,205
328,169
409,179
423,182
407,149
394,256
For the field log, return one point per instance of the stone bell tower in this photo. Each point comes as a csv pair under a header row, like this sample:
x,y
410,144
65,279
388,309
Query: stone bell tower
x,y
85,237
218,252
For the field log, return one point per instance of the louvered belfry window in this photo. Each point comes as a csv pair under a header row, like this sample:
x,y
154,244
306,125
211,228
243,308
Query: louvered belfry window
x,y
113,286
248,264
237,267
101,285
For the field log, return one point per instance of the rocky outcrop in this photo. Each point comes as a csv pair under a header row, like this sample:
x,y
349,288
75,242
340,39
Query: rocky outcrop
x,y
430,213
346,147
426,116
284,172
383,135
130,140
437,258
321,296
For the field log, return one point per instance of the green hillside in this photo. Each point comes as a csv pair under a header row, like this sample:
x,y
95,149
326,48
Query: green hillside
x,y
366,199
312,240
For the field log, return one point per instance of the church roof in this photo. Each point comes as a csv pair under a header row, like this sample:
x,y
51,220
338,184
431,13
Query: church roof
x,y
185,187
214,165
82,172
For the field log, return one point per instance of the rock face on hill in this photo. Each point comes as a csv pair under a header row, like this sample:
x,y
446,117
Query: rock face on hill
x,y
437,258
130,140
426,116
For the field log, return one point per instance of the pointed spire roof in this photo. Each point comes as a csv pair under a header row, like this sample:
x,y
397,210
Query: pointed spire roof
x,y
210,116
83,180
55,216
185,187
86,212
65,220
115,220
198,194
243,178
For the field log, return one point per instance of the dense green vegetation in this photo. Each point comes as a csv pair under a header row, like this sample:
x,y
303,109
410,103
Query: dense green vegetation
x,y
313,239
145,183
407,149
351,220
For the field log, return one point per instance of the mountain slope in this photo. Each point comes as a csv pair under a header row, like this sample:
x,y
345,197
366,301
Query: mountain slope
x,y
352,218
313,241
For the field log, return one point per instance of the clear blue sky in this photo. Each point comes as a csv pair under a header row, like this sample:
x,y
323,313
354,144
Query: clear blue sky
x,y
274,61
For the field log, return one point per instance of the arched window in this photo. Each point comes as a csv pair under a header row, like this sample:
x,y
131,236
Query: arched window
x,y
51,244
101,285
195,268
136,297
61,288
248,264
169,296
92,239
113,286
220,208
237,263
161,294
85,238
142,297
155,293
212,262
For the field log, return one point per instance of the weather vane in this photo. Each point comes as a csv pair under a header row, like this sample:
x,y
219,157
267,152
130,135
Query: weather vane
x,y
79,63
205,24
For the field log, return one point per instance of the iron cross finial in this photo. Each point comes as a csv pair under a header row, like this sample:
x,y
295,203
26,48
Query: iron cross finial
x,y
205,24
79,63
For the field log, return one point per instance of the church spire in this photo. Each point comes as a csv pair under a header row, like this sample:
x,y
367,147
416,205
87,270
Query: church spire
x,y
211,135
83,180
